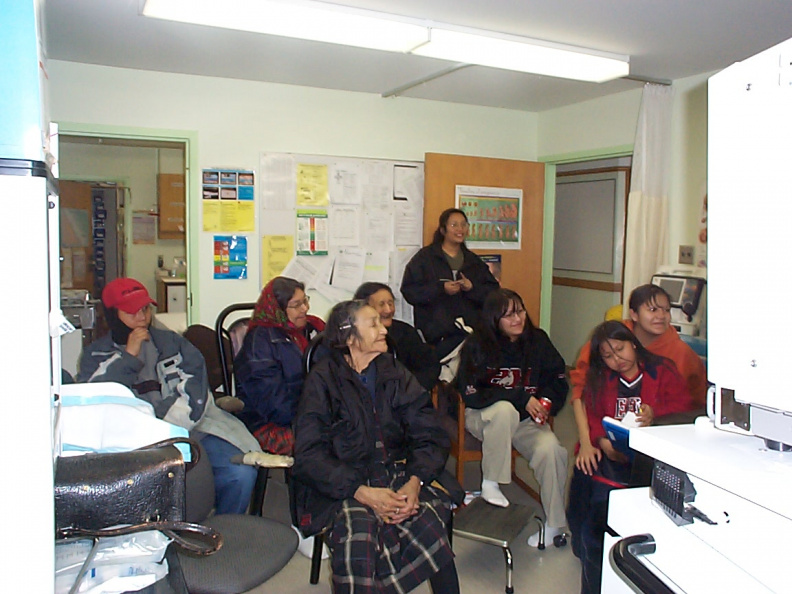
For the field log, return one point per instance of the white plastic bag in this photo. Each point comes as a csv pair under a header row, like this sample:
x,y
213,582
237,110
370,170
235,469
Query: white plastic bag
x,y
108,417
120,563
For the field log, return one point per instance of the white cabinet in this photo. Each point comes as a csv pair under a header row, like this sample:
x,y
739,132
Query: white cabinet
x,y
171,295
740,485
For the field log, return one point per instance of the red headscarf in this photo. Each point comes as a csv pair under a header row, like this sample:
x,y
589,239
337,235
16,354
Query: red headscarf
x,y
269,314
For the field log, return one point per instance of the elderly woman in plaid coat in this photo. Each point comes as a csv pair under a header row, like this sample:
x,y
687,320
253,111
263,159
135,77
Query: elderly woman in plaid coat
x,y
368,446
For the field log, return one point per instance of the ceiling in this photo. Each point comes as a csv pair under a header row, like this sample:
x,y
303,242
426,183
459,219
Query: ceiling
x,y
665,39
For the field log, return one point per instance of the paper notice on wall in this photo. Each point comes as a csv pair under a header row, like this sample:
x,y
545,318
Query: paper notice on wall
x,y
401,256
312,185
276,181
246,216
211,215
408,182
376,186
408,223
312,232
345,184
144,228
333,294
377,267
348,268
307,270
379,228
344,226
276,252
230,257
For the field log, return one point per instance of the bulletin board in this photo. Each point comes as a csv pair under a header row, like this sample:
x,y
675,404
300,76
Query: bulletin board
x,y
336,222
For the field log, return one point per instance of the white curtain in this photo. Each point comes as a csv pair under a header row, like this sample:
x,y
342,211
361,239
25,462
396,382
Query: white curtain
x,y
647,204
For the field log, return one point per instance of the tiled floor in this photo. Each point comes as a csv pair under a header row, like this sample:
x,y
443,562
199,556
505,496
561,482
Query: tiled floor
x,y
481,567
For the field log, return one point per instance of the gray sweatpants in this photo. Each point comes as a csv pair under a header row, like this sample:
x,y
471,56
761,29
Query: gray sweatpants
x,y
499,428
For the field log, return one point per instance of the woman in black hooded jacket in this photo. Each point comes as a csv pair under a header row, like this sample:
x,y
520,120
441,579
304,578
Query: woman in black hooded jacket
x,y
368,446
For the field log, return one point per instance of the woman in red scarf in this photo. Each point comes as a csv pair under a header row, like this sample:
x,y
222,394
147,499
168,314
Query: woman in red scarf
x,y
268,368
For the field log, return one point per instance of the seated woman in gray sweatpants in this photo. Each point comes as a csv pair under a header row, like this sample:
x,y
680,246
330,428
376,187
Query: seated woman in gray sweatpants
x,y
507,366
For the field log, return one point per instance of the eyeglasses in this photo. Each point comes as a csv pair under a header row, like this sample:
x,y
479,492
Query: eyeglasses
x,y
306,302
516,313
459,225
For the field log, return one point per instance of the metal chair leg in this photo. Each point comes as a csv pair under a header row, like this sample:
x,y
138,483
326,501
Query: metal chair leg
x,y
539,521
259,490
509,568
316,557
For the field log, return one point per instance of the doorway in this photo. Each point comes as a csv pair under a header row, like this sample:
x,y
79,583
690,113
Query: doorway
x,y
148,177
123,213
588,251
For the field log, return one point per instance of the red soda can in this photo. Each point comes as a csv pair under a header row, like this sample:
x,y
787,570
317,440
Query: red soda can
x,y
547,404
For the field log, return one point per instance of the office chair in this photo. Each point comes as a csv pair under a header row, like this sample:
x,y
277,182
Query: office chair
x,y
254,548
205,340
230,332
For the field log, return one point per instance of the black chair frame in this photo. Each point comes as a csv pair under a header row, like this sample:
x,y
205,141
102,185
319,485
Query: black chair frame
x,y
225,348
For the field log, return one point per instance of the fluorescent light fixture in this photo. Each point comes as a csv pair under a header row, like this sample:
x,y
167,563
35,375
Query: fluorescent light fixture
x,y
332,23
524,54
317,21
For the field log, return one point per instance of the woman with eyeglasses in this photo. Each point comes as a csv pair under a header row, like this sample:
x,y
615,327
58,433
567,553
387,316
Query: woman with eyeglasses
x,y
444,282
269,369
508,365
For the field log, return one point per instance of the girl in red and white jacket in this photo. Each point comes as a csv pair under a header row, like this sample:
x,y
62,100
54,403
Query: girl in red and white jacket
x,y
623,377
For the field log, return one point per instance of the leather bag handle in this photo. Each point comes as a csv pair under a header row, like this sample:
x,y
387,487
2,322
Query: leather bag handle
x,y
208,539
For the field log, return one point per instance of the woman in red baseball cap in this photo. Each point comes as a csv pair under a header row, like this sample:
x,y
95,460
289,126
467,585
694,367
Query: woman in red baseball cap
x,y
166,370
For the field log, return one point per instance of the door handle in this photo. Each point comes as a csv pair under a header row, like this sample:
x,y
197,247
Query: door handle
x,y
624,559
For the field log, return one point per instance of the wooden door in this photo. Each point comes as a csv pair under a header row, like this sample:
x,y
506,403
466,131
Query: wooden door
x,y
76,231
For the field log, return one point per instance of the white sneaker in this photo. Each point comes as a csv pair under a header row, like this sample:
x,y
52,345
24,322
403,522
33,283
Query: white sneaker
x,y
550,534
491,493
305,546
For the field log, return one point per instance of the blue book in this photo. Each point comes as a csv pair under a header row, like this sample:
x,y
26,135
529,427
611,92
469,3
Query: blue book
x,y
619,434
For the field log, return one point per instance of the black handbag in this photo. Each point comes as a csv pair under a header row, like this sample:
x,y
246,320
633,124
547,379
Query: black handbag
x,y
112,494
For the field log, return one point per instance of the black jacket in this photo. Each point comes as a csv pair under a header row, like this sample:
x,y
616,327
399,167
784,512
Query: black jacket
x,y
335,434
434,310
542,374
417,356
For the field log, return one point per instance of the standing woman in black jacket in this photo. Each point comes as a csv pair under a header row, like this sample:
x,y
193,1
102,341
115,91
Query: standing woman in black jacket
x,y
507,366
445,281
368,446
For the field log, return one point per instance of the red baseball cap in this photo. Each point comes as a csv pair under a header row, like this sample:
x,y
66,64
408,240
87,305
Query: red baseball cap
x,y
126,294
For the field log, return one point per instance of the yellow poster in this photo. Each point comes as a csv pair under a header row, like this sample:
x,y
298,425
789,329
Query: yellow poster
x,y
312,185
276,252
246,212
211,215
229,220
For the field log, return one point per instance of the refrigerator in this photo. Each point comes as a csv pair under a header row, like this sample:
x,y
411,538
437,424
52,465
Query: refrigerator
x,y
30,295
